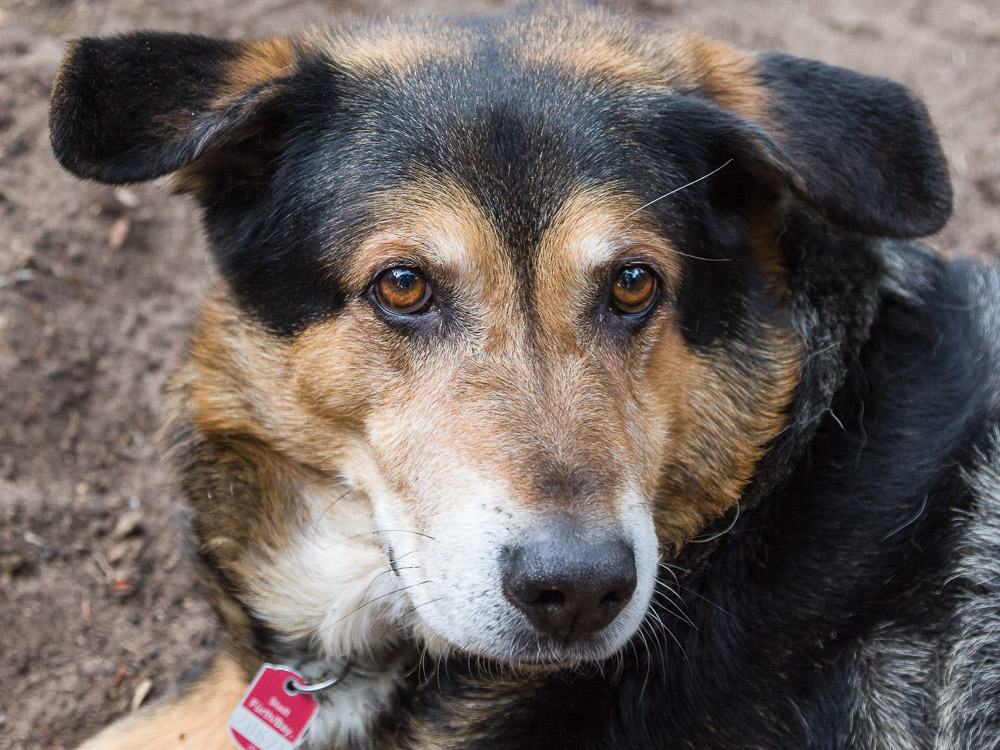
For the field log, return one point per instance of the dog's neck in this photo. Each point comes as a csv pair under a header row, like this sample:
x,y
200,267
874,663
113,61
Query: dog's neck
x,y
357,708
833,327
350,713
832,323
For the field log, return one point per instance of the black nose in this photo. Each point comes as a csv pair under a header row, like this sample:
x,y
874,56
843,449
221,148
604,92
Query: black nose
x,y
569,586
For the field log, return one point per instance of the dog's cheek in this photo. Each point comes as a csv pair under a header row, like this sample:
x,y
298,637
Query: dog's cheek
x,y
723,404
339,370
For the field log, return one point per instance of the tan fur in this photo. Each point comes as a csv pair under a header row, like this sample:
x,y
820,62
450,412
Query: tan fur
x,y
435,224
196,719
595,50
261,61
726,75
593,230
594,45
390,49
721,428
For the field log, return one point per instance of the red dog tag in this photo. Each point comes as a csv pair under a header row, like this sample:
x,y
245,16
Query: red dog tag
x,y
270,716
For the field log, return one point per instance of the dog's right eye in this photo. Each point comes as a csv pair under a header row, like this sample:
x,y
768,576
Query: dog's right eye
x,y
402,290
634,291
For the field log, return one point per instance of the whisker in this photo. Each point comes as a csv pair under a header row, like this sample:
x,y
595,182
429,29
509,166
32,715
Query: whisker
x,y
413,609
379,531
665,564
677,641
422,666
660,582
675,610
667,195
328,507
699,538
404,531
649,657
708,601
377,598
384,572
660,643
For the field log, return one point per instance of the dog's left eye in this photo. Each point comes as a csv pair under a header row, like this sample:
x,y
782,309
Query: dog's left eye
x,y
634,290
402,290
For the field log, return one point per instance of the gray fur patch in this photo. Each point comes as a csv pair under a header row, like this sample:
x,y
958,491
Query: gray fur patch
x,y
895,673
970,690
939,685
905,274
985,308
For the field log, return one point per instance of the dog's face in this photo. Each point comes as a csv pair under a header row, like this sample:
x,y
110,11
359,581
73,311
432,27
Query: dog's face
x,y
519,426
486,376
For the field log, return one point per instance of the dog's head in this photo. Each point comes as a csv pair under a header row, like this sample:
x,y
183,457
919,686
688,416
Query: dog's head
x,y
505,315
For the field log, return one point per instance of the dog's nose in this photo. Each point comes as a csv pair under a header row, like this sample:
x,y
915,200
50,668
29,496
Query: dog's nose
x,y
570,587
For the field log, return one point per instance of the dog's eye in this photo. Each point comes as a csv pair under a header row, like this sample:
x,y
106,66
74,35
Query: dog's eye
x,y
634,290
402,290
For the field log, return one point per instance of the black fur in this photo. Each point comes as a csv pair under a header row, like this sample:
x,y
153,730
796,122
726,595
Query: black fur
x,y
866,148
135,107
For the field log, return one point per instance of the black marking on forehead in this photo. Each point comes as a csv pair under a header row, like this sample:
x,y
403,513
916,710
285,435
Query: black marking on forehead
x,y
519,140
257,209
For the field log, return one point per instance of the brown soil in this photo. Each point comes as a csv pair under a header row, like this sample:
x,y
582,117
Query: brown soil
x,y
97,289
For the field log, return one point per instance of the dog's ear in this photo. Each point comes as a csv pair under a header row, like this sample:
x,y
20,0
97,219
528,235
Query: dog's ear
x,y
860,149
135,107
863,148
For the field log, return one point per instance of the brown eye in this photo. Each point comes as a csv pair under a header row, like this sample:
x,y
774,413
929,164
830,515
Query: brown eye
x,y
402,290
634,290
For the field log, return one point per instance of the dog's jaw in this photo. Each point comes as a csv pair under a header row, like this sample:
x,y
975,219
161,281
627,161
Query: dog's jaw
x,y
332,584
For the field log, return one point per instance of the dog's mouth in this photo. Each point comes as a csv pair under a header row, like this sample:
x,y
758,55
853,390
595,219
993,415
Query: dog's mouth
x,y
527,652
535,591
543,654
548,604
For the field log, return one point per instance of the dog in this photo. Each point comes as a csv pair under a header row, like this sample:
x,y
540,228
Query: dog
x,y
571,384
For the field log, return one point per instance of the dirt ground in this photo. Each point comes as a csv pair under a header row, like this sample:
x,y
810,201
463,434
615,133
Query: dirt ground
x,y
98,286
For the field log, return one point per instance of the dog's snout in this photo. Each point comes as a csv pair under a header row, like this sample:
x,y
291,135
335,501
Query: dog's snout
x,y
570,587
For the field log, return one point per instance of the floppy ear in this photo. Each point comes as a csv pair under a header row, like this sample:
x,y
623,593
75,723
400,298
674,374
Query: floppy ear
x,y
863,148
135,107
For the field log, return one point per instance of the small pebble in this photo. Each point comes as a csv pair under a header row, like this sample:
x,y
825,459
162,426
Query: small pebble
x,y
129,524
140,693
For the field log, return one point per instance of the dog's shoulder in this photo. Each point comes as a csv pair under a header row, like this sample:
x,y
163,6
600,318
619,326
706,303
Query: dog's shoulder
x,y
935,353
971,673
